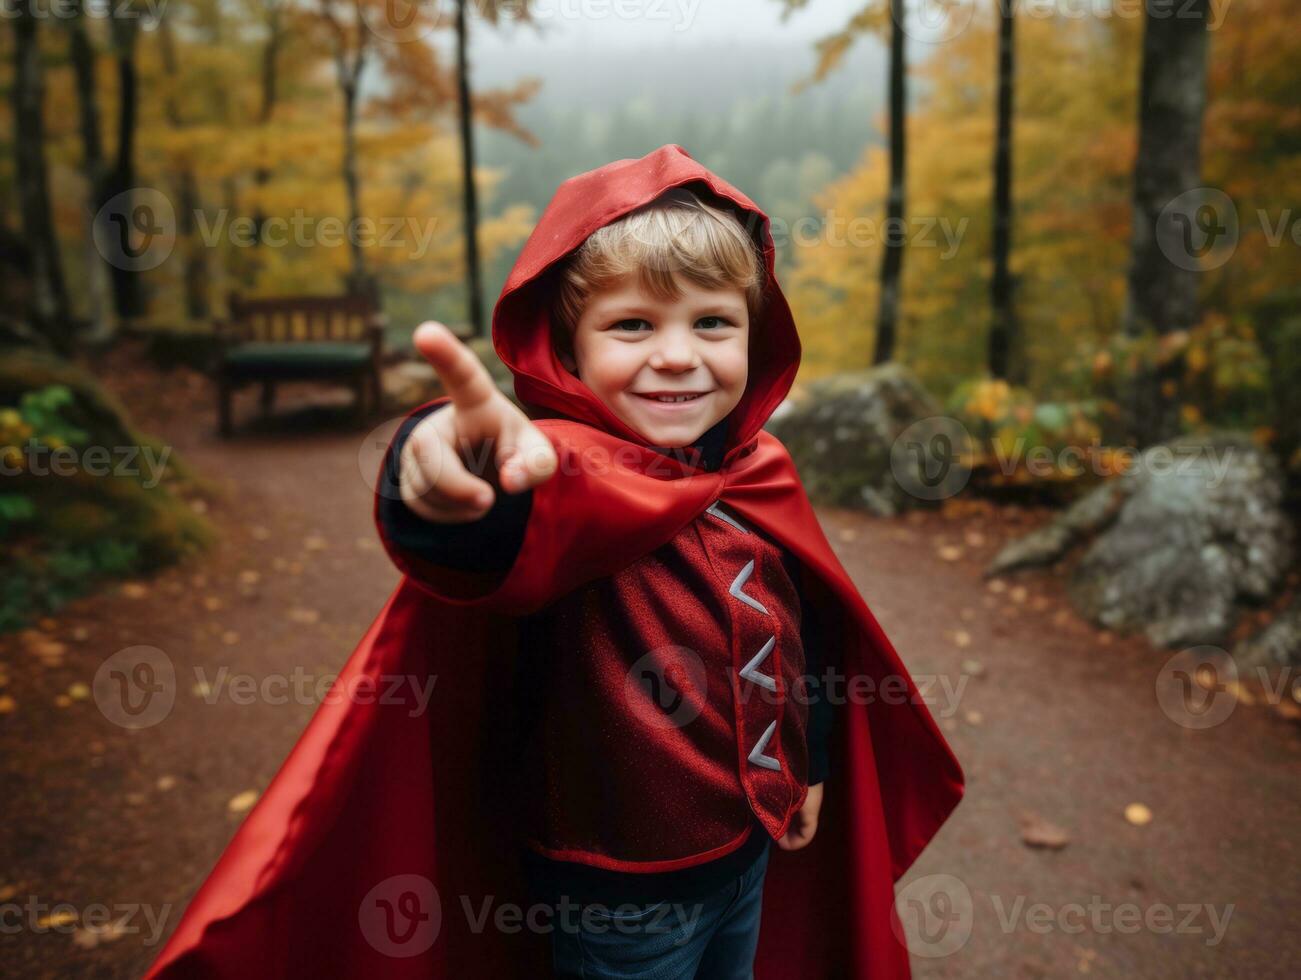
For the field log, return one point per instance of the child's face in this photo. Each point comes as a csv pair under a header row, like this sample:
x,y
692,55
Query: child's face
x,y
628,346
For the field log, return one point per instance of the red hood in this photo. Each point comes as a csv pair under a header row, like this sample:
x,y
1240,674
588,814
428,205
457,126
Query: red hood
x,y
521,330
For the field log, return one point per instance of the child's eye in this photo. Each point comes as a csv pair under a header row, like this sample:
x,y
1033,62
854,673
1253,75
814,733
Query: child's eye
x,y
713,322
623,326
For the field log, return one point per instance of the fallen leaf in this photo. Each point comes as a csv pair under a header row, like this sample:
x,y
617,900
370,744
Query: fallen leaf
x,y
250,576
1038,832
1019,594
56,919
950,552
307,616
230,638
241,802
974,717
79,691
48,623
212,603
961,639
1138,814
134,590
62,701
165,783
259,532
973,667
996,585
7,704
314,542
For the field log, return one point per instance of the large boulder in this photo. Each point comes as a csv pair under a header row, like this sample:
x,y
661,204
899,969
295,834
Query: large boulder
x,y
843,430
1193,530
1277,645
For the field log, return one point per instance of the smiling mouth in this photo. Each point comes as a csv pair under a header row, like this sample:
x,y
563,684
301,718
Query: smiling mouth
x,y
669,398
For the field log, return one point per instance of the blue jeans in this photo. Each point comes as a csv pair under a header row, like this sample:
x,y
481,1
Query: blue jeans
x,y
713,937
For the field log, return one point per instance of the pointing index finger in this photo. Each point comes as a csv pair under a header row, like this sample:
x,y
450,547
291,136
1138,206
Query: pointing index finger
x,y
463,375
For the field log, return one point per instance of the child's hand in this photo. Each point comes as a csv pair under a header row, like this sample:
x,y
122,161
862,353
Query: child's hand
x,y
805,823
480,423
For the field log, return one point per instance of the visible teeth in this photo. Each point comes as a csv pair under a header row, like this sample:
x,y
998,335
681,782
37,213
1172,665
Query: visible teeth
x,y
674,398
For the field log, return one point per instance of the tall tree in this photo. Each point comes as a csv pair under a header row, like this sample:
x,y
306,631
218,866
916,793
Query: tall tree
x,y
874,17
1003,337
893,236
128,299
473,287
50,295
351,48
196,264
273,13
1162,291
93,168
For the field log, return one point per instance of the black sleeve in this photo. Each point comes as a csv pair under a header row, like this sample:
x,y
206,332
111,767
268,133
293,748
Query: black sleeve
x,y
816,660
489,544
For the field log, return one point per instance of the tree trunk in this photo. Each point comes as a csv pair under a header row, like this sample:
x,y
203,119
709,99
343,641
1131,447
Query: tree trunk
x,y
270,95
471,218
1003,338
196,270
127,297
893,235
1162,295
357,280
49,294
82,54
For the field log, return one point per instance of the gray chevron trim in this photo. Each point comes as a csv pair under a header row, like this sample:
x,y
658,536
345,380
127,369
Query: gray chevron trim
x,y
718,512
756,753
738,584
750,671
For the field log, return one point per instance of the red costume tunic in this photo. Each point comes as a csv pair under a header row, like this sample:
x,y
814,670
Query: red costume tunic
x,y
389,827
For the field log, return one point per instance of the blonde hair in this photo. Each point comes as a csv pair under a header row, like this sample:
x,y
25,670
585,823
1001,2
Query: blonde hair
x,y
675,234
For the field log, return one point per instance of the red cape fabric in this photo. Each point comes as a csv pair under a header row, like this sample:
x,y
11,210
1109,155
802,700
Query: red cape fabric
x,y
386,837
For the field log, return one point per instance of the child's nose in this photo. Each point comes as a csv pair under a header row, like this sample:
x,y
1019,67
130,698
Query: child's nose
x,y
674,352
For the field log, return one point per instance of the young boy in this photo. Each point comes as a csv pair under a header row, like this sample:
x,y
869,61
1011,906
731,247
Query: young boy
x,y
619,593
653,314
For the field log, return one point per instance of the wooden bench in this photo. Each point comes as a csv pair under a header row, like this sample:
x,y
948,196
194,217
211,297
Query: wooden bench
x,y
299,338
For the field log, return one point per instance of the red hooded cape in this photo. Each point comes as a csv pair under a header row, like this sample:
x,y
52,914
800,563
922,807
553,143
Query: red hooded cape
x,y
385,836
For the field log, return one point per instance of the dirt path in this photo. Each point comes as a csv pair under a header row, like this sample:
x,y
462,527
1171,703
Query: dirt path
x,y
1062,722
